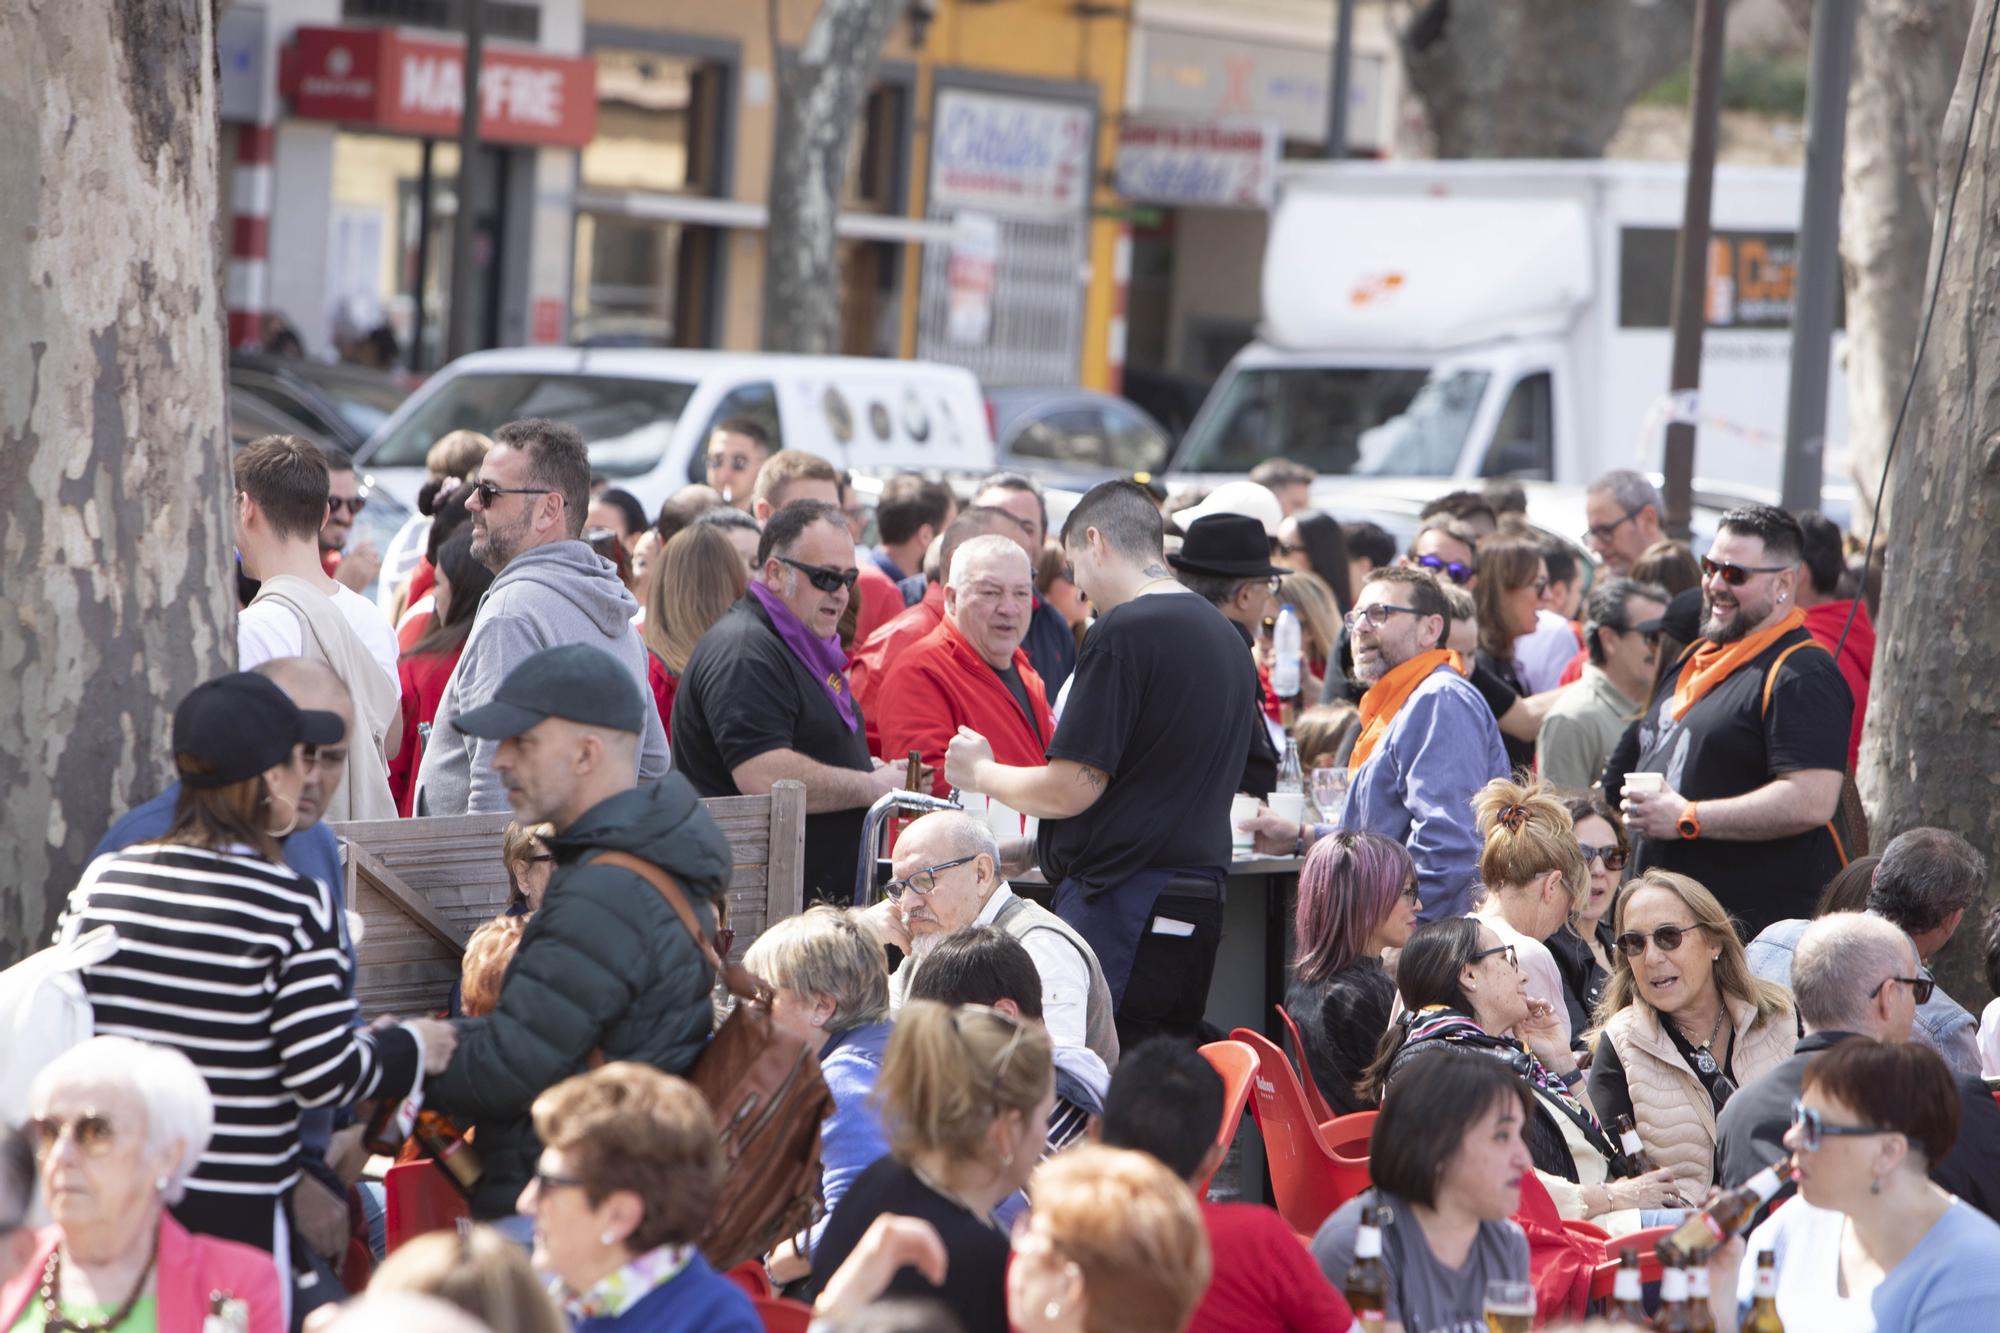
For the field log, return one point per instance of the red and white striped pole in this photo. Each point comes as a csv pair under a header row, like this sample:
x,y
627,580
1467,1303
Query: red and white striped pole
x,y
250,234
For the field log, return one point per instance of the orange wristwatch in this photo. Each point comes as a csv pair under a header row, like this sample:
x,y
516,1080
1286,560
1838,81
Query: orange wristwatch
x,y
1689,823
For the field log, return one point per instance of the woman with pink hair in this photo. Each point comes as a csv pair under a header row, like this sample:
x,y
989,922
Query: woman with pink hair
x,y
1357,897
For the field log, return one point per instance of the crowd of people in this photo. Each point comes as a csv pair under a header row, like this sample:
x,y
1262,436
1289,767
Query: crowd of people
x,y
1579,874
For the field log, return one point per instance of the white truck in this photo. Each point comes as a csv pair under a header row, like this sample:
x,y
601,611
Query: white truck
x,y
1462,320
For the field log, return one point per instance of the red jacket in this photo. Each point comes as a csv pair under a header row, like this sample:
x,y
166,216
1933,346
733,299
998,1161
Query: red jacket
x,y
423,677
189,1270
940,684
870,663
881,601
665,683
1857,659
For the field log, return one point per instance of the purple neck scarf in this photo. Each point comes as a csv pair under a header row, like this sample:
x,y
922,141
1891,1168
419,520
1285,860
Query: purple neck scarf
x,y
822,657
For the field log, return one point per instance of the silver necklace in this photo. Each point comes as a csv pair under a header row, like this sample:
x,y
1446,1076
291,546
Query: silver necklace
x,y
1703,1060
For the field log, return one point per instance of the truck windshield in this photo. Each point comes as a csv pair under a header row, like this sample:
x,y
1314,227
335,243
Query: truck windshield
x,y
625,422
1339,420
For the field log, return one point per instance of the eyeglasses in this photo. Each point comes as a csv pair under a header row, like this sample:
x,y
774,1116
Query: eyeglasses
x,y
1813,1128
822,577
353,504
1455,570
549,1180
1667,938
924,881
1736,575
92,1133
1541,587
1290,548
1920,987
1603,531
1652,638
1613,858
1376,615
488,492
1410,892
333,756
1513,960
538,858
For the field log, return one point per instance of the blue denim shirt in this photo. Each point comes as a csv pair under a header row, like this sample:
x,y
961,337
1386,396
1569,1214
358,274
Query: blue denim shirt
x,y
1417,787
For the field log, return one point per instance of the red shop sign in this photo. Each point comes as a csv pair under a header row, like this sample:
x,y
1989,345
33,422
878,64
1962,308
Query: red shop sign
x,y
383,78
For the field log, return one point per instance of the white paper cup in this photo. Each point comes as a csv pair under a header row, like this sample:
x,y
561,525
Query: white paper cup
x,y
1289,805
1241,808
1005,822
1645,782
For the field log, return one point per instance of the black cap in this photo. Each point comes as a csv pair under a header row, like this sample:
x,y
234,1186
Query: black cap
x,y
1228,546
574,682
232,728
1682,620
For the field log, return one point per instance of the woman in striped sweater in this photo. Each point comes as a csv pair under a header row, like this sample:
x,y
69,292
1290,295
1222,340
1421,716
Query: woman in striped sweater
x,y
234,959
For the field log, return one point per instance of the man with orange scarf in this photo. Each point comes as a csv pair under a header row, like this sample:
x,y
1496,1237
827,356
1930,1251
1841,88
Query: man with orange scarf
x,y
1748,736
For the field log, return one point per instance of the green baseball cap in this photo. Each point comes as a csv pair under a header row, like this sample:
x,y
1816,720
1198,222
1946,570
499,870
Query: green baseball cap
x,y
574,682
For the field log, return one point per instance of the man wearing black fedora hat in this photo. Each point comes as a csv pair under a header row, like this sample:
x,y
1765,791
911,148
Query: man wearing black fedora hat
x,y
1226,560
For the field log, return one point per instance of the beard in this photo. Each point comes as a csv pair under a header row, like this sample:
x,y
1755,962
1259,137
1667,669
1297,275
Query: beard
x,y
922,946
496,546
1748,617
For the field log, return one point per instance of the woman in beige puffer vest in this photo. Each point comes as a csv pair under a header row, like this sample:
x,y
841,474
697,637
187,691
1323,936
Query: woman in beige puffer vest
x,y
1708,992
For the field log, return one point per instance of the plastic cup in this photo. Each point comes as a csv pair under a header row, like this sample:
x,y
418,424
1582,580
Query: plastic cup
x,y
1645,782
1289,805
1242,808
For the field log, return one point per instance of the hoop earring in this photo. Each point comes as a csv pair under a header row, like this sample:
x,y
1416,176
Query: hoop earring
x,y
291,823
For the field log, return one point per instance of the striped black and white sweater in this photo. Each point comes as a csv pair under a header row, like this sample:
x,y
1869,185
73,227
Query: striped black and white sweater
x,y
237,963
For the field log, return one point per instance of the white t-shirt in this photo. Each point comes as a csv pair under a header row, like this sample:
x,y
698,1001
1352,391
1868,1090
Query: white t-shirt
x,y
266,630
1545,980
1544,653
1950,1279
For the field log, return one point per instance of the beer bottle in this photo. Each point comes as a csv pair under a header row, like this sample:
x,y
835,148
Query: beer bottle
x,y
1764,1308
1628,1297
1700,1318
447,1146
1366,1285
1633,1159
1673,1315
1704,1233
393,1121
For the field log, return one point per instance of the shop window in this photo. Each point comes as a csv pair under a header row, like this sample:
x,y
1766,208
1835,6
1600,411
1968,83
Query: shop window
x,y
657,122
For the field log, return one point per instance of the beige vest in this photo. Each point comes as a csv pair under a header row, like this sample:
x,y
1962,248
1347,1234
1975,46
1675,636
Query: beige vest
x,y
329,639
1673,1112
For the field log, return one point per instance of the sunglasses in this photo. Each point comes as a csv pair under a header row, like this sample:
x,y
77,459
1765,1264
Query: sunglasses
x,y
1376,616
1736,575
1513,960
822,577
538,858
1455,570
488,492
1603,531
1541,587
1920,987
1666,938
549,1180
923,881
1813,1129
352,504
92,1133
1613,858
1289,548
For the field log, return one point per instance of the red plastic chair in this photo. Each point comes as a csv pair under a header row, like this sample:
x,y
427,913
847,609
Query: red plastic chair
x,y
783,1316
1316,1102
1308,1177
417,1198
1237,1064
753,1278
1606,1277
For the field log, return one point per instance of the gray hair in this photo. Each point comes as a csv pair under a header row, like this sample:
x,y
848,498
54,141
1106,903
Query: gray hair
x,y
963,834
1842,957
17,1178
165,1082
1924,876
823,951
1630,489
1607,609
975,549
726,516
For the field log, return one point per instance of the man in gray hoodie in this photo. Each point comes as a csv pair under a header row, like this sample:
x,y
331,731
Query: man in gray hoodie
x,y
527,517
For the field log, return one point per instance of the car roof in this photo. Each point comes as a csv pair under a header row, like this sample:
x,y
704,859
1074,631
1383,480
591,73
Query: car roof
x,y
675,363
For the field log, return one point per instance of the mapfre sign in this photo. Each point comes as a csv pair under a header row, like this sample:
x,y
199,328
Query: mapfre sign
x,y
384,79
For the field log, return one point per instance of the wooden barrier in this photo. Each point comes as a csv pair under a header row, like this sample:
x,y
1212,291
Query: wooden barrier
x,y
422,886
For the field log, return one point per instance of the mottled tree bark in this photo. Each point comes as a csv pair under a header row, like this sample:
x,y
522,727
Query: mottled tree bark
x,y
820,98
1931,752
1538,78
114,533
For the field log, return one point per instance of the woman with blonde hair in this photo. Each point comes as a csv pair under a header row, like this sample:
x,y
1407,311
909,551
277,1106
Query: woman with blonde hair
x,y
1683,1023
965,1095
478,1270
697,578
1535,877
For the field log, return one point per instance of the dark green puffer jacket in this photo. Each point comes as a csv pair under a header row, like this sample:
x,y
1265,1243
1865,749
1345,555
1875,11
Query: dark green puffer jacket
x,y
605,964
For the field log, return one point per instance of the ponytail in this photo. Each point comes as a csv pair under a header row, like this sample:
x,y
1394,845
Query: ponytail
x,y
948,1073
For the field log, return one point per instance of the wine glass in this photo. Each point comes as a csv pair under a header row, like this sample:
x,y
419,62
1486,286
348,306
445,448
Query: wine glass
x,y
1329,789
1510,1306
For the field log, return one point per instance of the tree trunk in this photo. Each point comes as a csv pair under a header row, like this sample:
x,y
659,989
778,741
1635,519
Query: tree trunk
x,y
114,480
1931,752
820,98
1538,78
1906,56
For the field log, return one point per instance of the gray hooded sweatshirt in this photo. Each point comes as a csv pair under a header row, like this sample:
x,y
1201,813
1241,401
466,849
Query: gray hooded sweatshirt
x,y
560,593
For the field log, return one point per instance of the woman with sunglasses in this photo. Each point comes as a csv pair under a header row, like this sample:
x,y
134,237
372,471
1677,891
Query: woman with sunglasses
x,y
1583,945
965,1095
1357,898
1512,579
1683,1023
118,1127
1872,1243
1463,991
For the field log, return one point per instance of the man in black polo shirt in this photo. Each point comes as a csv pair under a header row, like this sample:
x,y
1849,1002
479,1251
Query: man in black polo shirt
x,y
765,696
1748,733
1134,800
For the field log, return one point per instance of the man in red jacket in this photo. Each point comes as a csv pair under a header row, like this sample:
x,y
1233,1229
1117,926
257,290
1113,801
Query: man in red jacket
x,y
971,670
1827,611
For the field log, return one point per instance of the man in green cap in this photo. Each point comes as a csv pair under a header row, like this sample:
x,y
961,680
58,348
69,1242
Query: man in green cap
x,y
604,965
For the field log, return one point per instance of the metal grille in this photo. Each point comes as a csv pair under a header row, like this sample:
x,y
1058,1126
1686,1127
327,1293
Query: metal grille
x,y
1039,287
514,21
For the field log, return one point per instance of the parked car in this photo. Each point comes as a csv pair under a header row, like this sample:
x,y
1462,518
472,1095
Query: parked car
x,y
1074,438
342,404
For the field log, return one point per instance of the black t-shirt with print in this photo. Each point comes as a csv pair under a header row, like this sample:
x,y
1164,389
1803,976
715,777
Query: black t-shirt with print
x,y
1729,744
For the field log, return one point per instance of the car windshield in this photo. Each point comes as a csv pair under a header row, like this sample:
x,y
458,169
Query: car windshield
x,y
1338,420
625,422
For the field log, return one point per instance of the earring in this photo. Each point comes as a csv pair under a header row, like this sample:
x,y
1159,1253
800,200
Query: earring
x,y
1875,1185
1052,1311
161,1184
607,1238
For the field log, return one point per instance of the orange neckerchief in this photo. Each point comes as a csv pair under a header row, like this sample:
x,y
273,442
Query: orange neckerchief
x,y
1708,664
1386,697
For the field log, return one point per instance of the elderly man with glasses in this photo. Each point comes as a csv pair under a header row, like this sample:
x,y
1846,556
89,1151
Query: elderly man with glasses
x,y
1855,974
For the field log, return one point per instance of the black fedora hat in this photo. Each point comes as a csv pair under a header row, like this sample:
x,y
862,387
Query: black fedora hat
x,y
1227,546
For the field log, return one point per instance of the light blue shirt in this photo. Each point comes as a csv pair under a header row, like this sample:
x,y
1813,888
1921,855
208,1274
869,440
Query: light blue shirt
x,y
1417,787
1950,1280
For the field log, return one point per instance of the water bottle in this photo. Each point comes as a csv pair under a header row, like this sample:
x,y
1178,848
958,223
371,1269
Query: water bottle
x,y
1291,774
1287,654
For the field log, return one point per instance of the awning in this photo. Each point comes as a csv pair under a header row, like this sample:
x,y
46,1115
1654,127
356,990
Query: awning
x,y
703,211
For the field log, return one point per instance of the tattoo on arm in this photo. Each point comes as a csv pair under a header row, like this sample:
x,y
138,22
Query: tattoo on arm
x,y
1092,777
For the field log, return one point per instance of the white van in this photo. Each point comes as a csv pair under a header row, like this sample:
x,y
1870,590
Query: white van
x,y
647,415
